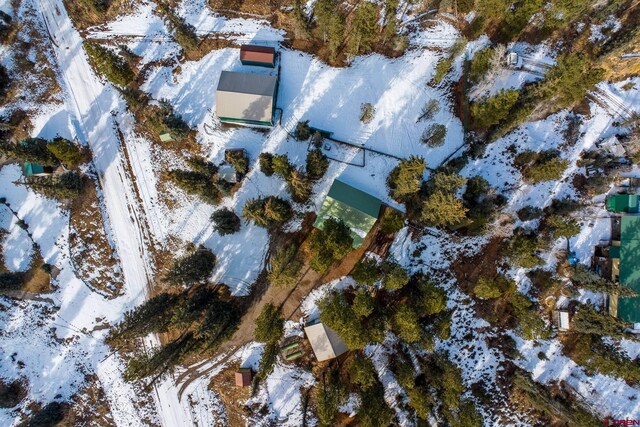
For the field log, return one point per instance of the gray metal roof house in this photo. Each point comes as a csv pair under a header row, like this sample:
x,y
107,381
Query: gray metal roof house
x,y
247,99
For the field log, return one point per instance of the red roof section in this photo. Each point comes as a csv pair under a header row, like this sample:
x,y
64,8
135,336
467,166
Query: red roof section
x,y
243,377
253,53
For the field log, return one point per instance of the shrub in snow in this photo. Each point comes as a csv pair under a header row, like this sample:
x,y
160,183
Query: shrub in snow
x,y
559,226
406,323
281,165
11,281
522,249
366,272
392,221
336,313
239,160
395,277
32,150
269,324
367,111
363,31
162,118
363,303
362,372
303,131
11,393
570,79
328,395
225,221
440,210
299,186
543,166
493,110
196,184
65,186
201,165
429,110
528,213
488,288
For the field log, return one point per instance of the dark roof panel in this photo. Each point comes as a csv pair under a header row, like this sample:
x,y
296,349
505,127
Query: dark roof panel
x,y
251,83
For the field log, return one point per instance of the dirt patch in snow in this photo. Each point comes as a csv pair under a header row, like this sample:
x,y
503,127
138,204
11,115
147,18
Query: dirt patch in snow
x,y
94,258
484,263
233,397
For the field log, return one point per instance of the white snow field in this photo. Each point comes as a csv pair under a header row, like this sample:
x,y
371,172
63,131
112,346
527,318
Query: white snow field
x,y
53,345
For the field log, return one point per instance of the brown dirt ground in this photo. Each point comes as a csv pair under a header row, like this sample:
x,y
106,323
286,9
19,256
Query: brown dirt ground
x,y
288,300
232,396
90,248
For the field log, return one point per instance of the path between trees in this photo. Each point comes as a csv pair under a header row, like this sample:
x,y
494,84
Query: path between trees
x,y
289,300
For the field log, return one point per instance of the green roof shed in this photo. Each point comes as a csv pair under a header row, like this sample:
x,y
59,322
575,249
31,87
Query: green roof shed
x,y
629,308
166,137
627,203
31,169
359,210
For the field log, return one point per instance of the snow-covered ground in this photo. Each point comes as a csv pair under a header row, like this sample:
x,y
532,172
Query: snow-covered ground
x,y
68,343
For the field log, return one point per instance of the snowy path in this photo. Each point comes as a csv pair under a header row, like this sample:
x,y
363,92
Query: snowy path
x,y
92,102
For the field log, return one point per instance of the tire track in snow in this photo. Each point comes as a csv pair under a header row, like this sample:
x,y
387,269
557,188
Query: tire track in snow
x,y
88,96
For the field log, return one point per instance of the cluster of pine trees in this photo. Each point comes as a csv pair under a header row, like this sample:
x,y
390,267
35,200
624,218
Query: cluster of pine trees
x,y
198,319
113,66
299,182
356,376
67,185
362,315
341,30
437,391
202,180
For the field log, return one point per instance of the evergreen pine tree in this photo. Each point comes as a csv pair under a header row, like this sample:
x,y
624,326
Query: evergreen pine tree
x,y
266,163
269,324
32,150
317,164
65,186
226,221
364,28
192,268
111,65
66,151
299,186
405,179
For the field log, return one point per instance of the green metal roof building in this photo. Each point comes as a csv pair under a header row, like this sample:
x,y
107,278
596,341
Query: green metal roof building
x,y
629,308
627,203
359,210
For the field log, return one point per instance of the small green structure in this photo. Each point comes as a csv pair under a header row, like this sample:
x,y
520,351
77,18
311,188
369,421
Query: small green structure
x,y
34,169
623,203
359,210
166,137
629,307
